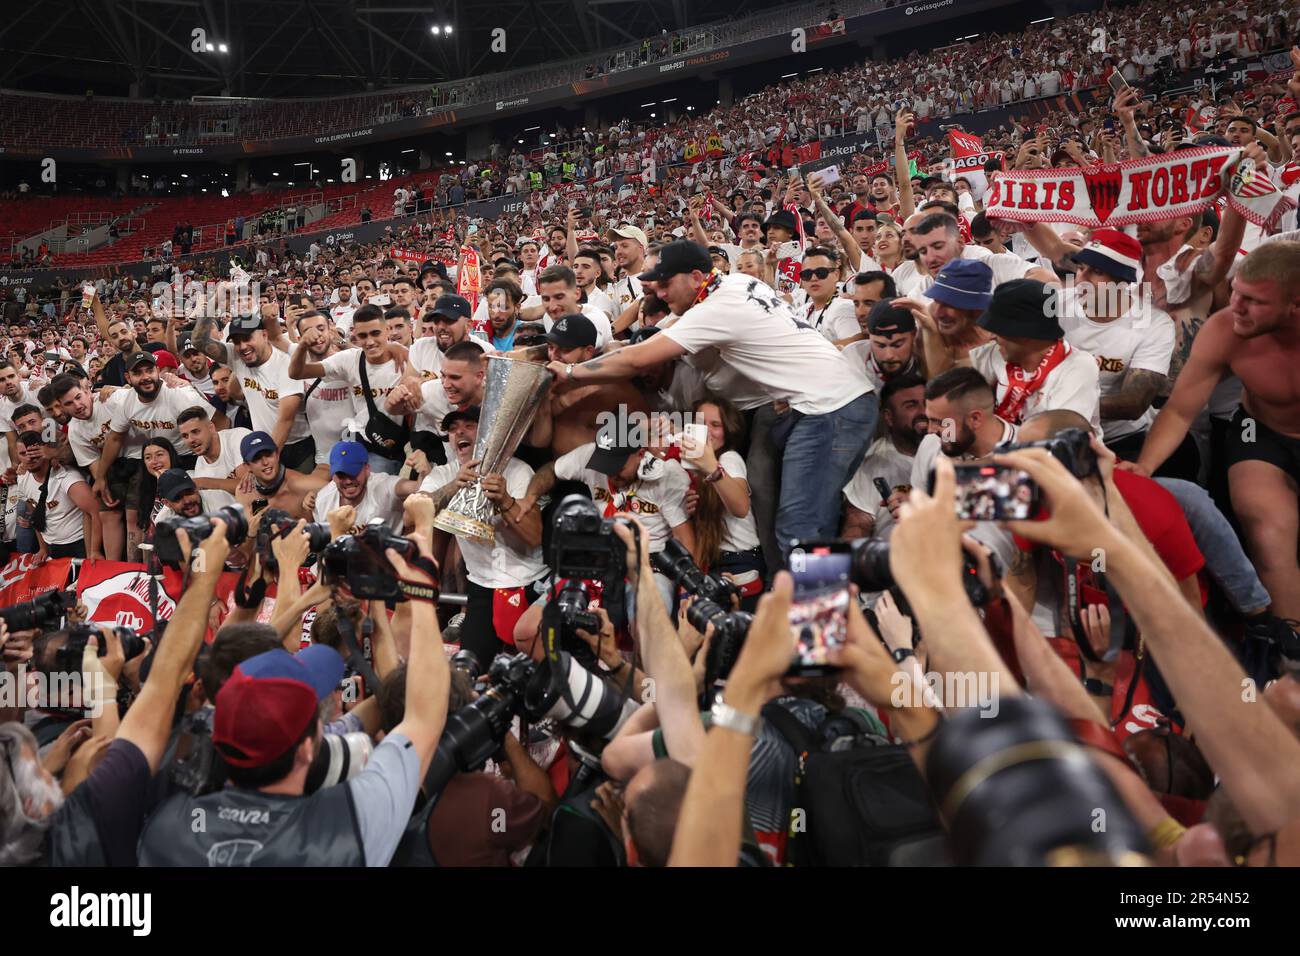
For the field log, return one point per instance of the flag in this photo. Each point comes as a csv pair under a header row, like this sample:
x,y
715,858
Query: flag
x,y
713,146
467,278
22,579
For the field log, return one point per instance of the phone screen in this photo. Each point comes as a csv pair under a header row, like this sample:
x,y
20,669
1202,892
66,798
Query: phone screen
x,y
819,614
995,493
1117,82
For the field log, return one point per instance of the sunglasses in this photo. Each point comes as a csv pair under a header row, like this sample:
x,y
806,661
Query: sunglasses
x,y
821,273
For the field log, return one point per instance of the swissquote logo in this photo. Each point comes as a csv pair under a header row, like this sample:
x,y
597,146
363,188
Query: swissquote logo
x,y
123,599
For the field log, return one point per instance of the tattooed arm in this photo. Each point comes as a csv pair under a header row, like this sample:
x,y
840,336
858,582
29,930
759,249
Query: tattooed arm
x,y
622,364
202,339
1140,388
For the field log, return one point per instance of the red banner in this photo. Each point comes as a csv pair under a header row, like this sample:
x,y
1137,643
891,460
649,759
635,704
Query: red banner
x,y
964,144
467,278
22,579
406,255
824,31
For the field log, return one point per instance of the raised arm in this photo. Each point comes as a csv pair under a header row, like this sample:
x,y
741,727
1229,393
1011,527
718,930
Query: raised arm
x,y
202,339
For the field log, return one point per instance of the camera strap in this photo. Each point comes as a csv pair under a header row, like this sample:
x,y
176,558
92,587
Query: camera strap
x,y
1075,592
355,657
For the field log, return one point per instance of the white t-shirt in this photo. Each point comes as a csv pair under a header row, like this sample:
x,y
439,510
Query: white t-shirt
x,y
1073,384
62,517
26,396
1005,265
624,292
838,320
425,355
265,386
604,328
659,501
383,378
739,534
141,421
86,439
379,501
599,299
329,406
1141,338
342,316
756,334
506,563
885,461
931,447
228,460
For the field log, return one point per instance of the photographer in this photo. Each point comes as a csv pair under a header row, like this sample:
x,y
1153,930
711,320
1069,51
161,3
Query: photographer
x,y
479,818
267,727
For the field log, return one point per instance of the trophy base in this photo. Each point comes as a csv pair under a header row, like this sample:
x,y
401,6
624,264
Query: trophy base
x,y
458,524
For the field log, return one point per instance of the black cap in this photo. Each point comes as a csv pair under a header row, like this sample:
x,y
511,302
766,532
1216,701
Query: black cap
x,y
573,331
676,258
886,319
610,456
643,333
718,251
1023,309
782,219
244,325
187,344
135,358
173,483
451,306
470,414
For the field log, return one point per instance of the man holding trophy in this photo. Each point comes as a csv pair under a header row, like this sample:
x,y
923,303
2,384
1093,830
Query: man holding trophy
x,y
477,496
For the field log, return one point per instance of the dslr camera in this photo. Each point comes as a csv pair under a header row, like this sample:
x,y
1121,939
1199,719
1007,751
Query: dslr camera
x,y
44,613
712,605
168,547
278,523
584,547
1072,448
359,561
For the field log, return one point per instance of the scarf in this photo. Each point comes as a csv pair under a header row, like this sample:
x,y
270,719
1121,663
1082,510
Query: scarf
x,y
267,491
1021,384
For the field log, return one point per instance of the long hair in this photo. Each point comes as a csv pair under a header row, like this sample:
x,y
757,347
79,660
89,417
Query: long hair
x,y
148,483
711,511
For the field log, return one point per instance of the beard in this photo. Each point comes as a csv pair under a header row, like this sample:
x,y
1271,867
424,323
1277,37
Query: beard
x,y
965,440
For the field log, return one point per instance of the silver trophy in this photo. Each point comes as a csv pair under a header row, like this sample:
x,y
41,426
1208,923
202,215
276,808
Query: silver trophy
x,y
512,391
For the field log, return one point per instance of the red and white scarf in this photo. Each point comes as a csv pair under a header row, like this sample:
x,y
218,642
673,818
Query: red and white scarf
x,y
1022,384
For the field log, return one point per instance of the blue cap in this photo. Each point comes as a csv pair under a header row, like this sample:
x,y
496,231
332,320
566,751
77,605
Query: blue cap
x,y
254,444
348,458
317,665
963,284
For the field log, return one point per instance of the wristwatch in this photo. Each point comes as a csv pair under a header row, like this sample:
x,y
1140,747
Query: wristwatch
x,y
568,372
901,654
724,715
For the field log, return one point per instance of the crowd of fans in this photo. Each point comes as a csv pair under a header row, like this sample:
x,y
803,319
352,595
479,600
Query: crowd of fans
x,y
743,369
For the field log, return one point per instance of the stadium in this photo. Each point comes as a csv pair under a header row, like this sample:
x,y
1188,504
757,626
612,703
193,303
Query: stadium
x,y
640,433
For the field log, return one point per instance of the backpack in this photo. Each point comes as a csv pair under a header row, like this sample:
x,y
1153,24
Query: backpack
x,y
864,805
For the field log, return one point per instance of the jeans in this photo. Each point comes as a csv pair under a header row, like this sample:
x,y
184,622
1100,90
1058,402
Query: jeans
x,y
1224,557
821,455
763,472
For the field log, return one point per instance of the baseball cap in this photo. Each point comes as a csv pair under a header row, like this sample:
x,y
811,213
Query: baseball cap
x,y
135,358
164,359
610,456
676,258
254,444
452,306
244,325
886,319
269,701
348,458
1025,309
469,414
187,345
573,331
963,284
631,232
173,483
1113,252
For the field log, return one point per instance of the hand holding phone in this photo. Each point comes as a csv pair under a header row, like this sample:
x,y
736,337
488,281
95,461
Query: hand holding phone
x,y
819,612
994,493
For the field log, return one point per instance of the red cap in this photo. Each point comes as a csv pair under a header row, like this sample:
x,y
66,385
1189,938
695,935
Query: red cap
x,y
164,359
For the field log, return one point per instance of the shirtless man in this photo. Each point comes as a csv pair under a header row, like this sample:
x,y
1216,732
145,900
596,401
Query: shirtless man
x,y
570,414
268,483
1256,338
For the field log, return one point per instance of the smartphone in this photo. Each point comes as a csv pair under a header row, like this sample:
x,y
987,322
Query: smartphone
x,y
828,176
882,489
699,435
1117,82
1108,124
995,493
819,613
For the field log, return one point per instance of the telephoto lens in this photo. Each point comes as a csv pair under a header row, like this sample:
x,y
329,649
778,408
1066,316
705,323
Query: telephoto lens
x,y
39,614
1016,789
167,546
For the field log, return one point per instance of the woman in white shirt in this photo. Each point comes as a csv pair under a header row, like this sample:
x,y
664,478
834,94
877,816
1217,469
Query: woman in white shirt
x,y
725,533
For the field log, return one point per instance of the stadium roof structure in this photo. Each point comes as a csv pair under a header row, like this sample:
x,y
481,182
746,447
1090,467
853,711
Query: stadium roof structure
x,y
296,48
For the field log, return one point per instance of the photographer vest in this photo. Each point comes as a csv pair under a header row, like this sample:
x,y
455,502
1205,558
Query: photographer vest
x,y
235,827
